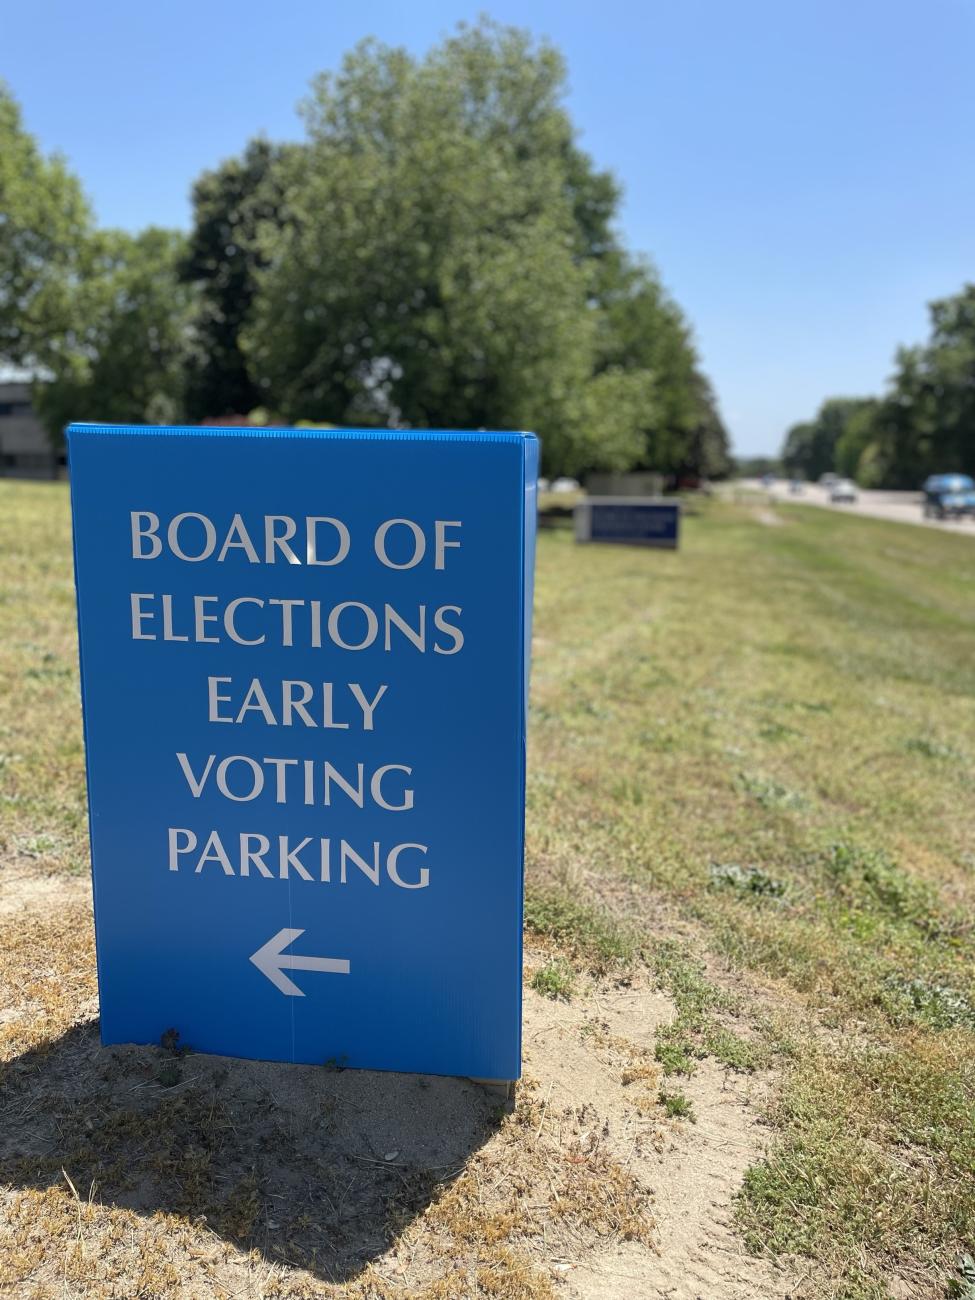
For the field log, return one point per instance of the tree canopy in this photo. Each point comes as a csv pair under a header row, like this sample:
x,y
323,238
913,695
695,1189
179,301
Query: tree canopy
x,y
45,227
812,448
450,259
923,424
222,256
127,362
437,251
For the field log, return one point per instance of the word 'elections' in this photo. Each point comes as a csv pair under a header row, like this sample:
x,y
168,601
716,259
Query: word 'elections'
x,y
254,621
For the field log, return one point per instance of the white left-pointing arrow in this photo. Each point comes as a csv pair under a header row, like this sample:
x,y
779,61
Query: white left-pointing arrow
x,y
272,961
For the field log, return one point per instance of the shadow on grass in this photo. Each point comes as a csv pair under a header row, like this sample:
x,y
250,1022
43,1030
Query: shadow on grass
x,y
314,1167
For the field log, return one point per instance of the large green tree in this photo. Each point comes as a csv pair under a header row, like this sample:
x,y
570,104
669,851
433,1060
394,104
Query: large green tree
x,y
230,206
707,447
448,258
923,424
45,232
99,317
859,431
434,271
126,359
642,329
812,448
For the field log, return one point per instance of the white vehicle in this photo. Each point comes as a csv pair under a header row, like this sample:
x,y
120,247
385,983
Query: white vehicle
x,y
565,485
844,490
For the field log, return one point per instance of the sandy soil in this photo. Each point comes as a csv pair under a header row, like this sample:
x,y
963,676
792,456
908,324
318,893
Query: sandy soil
x,y
143,1172
694,1169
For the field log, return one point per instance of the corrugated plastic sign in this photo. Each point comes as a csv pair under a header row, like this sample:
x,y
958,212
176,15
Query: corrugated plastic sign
x,y
304,672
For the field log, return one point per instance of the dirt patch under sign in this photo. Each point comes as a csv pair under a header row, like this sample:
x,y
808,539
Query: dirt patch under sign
x,y
155,1172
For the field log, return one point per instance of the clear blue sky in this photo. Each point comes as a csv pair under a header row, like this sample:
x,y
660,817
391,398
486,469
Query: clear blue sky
x,y
800,170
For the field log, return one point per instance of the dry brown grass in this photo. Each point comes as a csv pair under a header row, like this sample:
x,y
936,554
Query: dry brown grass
x,y
47,977
543,1186
142,1172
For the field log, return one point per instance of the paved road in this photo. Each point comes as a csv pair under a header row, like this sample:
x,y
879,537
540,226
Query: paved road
x,y
899,507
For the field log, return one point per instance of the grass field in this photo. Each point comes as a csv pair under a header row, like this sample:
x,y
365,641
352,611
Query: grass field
x,y
751,774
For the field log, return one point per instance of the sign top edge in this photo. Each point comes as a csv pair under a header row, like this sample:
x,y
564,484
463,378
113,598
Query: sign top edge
x,y
338,435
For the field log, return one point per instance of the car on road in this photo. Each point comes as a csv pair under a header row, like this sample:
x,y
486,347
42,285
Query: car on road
x,y
948,496
829,479
844,490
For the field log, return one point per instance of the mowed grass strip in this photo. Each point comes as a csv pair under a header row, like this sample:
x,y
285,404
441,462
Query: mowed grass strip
x,y
767,735
773,731
42,789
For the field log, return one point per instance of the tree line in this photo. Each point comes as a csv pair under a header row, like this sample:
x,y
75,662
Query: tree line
x,y
923,424
437,251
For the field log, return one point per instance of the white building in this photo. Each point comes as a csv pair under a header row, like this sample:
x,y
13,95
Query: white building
x,y
25,448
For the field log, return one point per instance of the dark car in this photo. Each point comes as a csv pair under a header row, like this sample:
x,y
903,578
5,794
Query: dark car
x,y
949,496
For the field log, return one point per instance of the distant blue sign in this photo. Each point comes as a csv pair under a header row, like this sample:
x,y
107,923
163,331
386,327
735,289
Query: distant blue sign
x,y
641,520
304,669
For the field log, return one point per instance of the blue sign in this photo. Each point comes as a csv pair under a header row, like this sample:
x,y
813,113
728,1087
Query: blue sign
x,y
304,669
639,520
